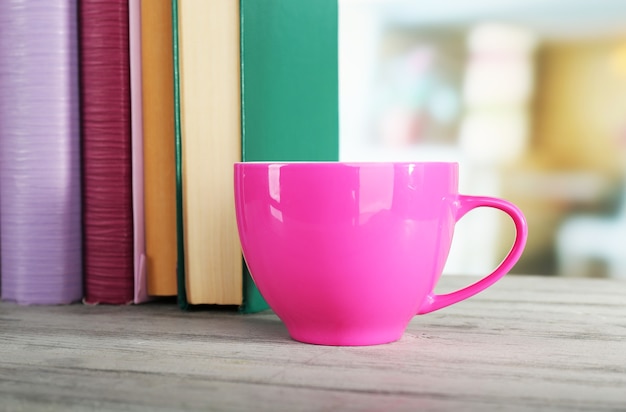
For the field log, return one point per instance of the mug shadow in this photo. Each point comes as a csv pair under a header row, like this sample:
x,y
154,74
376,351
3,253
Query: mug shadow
x,y
267,327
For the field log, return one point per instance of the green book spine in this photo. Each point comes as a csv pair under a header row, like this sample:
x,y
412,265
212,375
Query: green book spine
x,y
180,245
289,89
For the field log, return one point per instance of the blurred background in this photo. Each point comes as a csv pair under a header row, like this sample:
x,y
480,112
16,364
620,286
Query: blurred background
x,y
529,96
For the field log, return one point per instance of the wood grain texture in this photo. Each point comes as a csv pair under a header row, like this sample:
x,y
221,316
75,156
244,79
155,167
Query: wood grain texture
x,y
527,343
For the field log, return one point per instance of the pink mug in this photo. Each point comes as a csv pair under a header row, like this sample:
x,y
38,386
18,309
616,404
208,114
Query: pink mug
x,y
349,253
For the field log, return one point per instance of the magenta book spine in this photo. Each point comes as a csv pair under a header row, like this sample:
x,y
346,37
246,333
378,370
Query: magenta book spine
x,y
106,151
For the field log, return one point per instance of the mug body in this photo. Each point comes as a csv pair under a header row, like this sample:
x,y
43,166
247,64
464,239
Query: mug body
x,y
345,253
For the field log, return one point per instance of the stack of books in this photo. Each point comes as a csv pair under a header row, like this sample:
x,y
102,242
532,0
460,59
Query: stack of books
x,y
120,121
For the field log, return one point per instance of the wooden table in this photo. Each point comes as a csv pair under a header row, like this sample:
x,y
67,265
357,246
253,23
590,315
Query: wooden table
x,y
528,343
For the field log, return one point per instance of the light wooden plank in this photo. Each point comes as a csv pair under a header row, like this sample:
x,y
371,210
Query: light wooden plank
x,y
528,343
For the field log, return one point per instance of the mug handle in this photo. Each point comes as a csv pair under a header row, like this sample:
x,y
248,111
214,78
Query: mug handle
x,y
465,204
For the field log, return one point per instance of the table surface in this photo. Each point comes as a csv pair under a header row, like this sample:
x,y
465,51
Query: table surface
x,y
527,343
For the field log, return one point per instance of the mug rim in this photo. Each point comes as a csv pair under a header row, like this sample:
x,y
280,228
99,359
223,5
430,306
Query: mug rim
x,y
346,163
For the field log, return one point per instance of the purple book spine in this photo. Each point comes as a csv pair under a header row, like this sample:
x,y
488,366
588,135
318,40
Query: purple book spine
x,y
40,186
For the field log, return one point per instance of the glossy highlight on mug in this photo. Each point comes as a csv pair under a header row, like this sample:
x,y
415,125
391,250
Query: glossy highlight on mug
x,y
348,253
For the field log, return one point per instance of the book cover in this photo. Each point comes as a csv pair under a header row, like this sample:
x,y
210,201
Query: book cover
x,y
106,151
139,242
290,92
158,147
40,178
181,288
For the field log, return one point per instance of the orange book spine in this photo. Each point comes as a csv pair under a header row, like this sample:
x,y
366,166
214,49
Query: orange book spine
x,y
159,162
